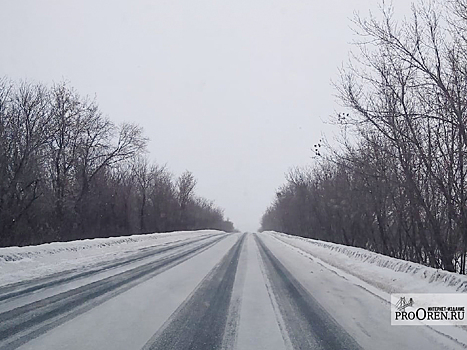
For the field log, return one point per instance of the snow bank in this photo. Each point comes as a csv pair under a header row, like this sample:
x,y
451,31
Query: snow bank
x,y
25,263
388,274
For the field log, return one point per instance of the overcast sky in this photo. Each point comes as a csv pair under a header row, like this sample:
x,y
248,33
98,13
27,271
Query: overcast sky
x,y
235,91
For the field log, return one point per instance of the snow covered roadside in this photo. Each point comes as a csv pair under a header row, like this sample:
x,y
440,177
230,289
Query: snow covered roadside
x,y
387,274
25,263
381,275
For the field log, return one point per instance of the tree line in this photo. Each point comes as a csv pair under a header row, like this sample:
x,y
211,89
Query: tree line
x,y
397,183
67,172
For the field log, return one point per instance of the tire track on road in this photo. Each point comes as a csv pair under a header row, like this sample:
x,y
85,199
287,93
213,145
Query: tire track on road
x,y
22,324
200,322
23,288
308,324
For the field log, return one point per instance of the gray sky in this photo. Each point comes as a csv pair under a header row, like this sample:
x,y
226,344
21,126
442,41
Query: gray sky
x,y
235,91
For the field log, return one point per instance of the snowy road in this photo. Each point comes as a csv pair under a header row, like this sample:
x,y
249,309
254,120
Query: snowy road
x,y
211,291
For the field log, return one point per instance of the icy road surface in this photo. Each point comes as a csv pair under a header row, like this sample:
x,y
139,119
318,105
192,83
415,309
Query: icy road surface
x,y
201,291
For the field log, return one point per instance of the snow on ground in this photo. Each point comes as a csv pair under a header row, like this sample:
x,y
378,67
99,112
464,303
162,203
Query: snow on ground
x,y
130,319
124,321
26,263
388,274
381,275
361,309
260,321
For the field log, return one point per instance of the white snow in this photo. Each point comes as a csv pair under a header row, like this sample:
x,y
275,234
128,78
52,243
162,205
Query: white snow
x,y
388,274
259,326
353,284
378,275
30,262
130,319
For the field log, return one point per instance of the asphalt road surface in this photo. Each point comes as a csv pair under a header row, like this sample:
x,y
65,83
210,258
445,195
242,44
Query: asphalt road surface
x,y
228,291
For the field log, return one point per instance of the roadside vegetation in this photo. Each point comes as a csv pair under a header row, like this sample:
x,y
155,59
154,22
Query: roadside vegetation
x,y
67,172
396,185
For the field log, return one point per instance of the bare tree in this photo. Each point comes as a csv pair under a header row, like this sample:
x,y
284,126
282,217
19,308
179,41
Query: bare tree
x,y
67,172
400,189
24,130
